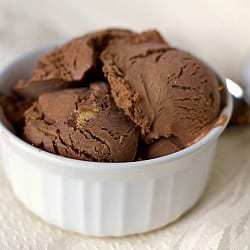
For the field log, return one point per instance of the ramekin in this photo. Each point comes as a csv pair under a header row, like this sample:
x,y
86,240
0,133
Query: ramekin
x,y
104,199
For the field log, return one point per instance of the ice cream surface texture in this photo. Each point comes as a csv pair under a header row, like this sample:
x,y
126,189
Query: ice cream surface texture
x,y
82,124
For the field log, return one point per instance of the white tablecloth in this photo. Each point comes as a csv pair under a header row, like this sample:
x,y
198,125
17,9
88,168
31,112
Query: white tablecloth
x,y
215,30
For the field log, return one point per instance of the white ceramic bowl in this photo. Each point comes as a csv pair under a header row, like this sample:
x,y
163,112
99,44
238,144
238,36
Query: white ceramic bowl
x,y
104,199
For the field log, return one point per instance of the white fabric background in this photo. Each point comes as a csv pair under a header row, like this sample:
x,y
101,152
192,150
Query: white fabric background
x,y
215,30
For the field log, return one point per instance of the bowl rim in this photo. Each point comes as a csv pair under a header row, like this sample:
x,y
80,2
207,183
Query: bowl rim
x,y
213,134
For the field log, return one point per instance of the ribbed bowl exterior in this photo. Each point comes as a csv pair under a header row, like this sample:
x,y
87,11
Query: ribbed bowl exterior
x,y
107,202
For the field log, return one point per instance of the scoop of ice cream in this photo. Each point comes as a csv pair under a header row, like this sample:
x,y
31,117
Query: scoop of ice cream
x,y
65,66
82,124
165,91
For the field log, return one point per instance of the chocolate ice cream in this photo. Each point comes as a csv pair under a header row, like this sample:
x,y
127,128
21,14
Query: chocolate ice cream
x,y
165,91
156,99
68,65
82,124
